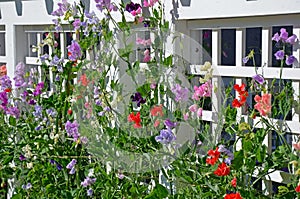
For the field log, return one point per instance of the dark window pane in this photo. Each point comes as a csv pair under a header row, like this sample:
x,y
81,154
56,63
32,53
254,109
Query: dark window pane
x,y
206,45
254,42
228,40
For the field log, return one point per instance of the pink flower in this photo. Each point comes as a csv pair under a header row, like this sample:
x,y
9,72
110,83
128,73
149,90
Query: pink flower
x,y
263,104
199,112
147,56
297,146
202,91
193,108
186,116
156,123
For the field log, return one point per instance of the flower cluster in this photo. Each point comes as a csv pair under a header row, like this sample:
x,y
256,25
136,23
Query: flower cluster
x,y
263,104
243,94
284,40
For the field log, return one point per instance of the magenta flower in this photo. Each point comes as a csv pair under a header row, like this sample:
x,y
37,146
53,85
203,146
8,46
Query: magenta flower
x,y
38,89
22,157
279,55
74,51
202,91
3,99
290,60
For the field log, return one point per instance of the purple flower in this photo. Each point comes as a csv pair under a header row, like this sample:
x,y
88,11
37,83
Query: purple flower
x,y
55,61
132,6
71,164
76,24
283,34
44,57
181,94
166,136
5,82
57,78
38,112
98,102
105,4
32,102
137,97
51,112
279,55
27,186
292,39
227,154
84,140
168,123
88,181
3,98
74,51
13,111
72,171
290,60
38,89
22,157
121,176
259,78
52,161
276,37
58,166
62,8
19,81
90,192
20,69
72,130
245,59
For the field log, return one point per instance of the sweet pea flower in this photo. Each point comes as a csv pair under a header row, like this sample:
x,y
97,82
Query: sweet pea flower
x,y
259,78
74,51
279,55
290,60
263,104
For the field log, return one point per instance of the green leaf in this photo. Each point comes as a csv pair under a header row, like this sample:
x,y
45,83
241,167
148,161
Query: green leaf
x,y
237,163
12,121
158,192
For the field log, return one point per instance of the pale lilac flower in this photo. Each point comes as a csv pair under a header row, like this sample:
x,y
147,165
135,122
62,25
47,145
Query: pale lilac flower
x,y
245,59
292,39
166,136
51,112
98,102
55,61
88,181
20,69
90,192
153,86
76,24
276,37
72,171
290,60
121,176
19,81
74,51
181,94
72,130
71,164
27,186
279,55
84,140
44,57
38,112
259,78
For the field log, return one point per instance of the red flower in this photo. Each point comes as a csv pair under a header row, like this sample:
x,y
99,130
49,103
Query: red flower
x,y
84,81
70,112
214,156
157,111
136,119
222,170
7,90
297,188
243,94
233,182
233,196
